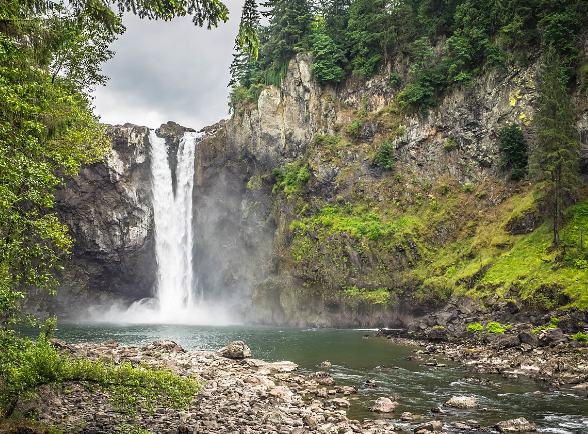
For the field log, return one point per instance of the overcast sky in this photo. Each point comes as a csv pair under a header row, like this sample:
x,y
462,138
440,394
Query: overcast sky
x,y
169,71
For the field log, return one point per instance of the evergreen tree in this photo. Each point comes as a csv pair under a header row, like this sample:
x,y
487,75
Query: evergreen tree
x,y
514,151
289,26
369,35
555,161
328,58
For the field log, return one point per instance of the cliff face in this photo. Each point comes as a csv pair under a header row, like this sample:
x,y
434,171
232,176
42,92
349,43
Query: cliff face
x,y
331,238
447,175
107,208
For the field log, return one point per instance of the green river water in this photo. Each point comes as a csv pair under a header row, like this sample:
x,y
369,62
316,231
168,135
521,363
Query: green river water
x,y
356,359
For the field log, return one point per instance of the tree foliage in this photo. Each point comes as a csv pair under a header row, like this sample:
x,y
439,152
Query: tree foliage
x,y
362,36
514,151
555,161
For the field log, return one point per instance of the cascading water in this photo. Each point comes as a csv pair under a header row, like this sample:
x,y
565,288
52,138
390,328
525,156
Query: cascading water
x,y
172,212
174,300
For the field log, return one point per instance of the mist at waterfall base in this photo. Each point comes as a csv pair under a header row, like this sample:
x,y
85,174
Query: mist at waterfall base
x,y
178,298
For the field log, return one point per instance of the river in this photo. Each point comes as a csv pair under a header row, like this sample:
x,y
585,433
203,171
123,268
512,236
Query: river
x,y
356,359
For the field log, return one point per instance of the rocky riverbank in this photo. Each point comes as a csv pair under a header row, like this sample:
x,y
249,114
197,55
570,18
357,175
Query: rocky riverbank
x,y
245,395
519,343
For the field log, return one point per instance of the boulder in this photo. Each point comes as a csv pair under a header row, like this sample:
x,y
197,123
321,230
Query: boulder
x,y
384,405
326,364
515,425
529,338
462,402
552,337
506,341
322,378
433,426
235,350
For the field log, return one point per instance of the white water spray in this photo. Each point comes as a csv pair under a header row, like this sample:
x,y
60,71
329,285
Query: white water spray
x,y
174,301
172,212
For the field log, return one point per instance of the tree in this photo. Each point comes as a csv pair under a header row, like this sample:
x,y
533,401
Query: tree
x,y
369,35
514,151
289,26
327,56
555,161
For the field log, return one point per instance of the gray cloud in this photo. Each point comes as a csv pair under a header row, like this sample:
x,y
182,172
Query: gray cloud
x,y
169,71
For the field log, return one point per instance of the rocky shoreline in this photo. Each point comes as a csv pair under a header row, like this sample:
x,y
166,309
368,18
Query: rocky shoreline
x,y
245,395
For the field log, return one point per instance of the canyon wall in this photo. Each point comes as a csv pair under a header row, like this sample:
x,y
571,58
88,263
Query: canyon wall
x,y
248,251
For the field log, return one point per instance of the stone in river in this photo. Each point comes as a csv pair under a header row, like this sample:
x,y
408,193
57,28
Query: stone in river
x,y
384,405
434,426
235,350
462,402
515,425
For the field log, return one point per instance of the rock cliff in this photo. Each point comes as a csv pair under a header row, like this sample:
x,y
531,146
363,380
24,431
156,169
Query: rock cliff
x,y
107,208
294,221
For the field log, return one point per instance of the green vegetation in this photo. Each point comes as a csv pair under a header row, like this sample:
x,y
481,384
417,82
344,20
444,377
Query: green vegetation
x,y
378,296
580,337
514,151
361,36
475,327
553,323
51,54
35,364
292,179
449,145
385,157
494,327
555,161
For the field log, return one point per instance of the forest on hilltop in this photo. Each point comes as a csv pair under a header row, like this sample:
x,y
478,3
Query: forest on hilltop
x,y
360,36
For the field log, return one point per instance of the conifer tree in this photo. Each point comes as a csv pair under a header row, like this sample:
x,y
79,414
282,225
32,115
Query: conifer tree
x,y
288,28
555,161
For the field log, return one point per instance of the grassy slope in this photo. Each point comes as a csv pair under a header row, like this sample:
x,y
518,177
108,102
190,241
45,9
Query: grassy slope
x,y
409,237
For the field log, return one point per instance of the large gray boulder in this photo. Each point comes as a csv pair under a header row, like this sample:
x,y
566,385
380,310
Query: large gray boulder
x,y
235,350
384,405
515,425
462,402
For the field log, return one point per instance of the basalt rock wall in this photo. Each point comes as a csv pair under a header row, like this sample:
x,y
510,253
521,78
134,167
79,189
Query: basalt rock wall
x,y
243,221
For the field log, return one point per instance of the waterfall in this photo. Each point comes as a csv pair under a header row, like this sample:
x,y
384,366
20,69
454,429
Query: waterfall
x,y
172,212
174,300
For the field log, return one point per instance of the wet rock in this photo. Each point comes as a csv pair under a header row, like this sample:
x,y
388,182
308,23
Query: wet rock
x,y
346,390
370,384
529,338
164,345
480,382
384,405
462,402
326,364
406,416
552,337
235,350
337,403
428,427
506,341
515,425
322,378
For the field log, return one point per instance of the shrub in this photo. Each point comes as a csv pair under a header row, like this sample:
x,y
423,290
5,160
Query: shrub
x,y
475,327
394,80
580,337
468,188
385,157
444,189
494,327
553,323
130,388
449,144
354,129
292,179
